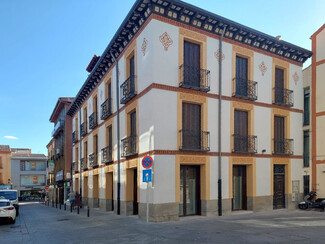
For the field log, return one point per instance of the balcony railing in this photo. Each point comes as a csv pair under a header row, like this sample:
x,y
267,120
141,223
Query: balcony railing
x,y
244,144
127,89
93,121
194,140
194,78
107,154
83,163
283,146
74,137
129,146
106,109
83,129
246,89
283,97
93,162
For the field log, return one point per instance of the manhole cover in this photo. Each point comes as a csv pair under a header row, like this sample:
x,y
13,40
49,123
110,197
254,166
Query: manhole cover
x,y
62,219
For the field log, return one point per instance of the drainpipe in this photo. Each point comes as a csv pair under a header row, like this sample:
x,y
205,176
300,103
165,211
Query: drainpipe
x,y
219,126
80,154
118,139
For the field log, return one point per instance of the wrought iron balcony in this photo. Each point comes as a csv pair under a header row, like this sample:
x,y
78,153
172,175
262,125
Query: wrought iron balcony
x,y
246,89
194,140
129,146
194,78
283,97
74,137
127,89
93,120
283,146
106,109
83,163
244,144
83,129
107,155
93,162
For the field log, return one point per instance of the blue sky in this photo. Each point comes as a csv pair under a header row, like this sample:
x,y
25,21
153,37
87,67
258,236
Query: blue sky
x,y
45,47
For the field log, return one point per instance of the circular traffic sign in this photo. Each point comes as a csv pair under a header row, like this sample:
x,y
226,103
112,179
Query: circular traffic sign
x,y
147,162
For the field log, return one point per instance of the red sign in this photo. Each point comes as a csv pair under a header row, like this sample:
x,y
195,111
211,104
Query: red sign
x,y
147,162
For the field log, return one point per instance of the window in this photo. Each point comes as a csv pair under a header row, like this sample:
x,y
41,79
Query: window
x,y
191,126
107,151
128,87
306,106
241,76
129,144
32,166
306,148
281,95
107,104
32,180
191,64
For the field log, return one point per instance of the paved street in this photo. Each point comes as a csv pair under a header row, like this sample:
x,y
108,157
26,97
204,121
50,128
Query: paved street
x,y
43,224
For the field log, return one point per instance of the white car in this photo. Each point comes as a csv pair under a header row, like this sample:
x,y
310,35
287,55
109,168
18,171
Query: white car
x,y
7,211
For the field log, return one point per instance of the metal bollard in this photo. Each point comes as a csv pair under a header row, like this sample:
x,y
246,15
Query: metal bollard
x,y
78,210
70,208
87,211
60,205
65,206
52,204
56,204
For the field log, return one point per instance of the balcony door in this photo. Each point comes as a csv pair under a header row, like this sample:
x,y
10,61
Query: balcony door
x,y
191,134
191,64
241,131
279,144
279,86
241,76
133,131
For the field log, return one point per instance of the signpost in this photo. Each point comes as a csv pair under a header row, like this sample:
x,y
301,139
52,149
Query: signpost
x,y
147,162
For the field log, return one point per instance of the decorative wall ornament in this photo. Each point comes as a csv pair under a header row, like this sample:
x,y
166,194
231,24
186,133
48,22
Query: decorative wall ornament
x,y
144,46
295,77
262,68
165,40
217,53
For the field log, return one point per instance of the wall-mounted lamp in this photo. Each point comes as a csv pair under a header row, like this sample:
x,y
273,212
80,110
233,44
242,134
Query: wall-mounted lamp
x,y
264,150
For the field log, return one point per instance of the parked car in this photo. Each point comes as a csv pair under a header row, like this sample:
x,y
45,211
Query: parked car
x,y
12,195
7,211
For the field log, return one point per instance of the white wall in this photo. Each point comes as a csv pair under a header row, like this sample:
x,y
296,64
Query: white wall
x,y
262,126
263,177
320,42
264,82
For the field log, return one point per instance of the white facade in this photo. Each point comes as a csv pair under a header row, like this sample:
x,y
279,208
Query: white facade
x,y
158,115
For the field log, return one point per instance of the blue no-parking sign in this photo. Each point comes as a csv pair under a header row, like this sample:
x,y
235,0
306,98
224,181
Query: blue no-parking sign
x,y
146,175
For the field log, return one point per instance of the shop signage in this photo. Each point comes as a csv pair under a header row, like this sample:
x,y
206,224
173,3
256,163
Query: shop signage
x,y
59,175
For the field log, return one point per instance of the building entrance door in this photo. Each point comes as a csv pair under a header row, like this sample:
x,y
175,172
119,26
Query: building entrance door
x,y
135,192
279,186
189,190
239,201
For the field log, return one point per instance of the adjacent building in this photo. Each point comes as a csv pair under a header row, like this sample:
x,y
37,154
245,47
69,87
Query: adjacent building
x,y
318,112
28,173
154,91
5,162
60,152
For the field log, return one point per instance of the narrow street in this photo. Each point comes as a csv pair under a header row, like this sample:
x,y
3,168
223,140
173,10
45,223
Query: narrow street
x,y
44,224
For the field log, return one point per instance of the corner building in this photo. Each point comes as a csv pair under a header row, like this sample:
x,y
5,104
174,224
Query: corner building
x,y
167,55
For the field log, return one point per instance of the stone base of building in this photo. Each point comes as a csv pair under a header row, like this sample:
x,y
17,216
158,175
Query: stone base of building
x,y
159,212
106,204
93,202
260,203
126,208
293,203
84,201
